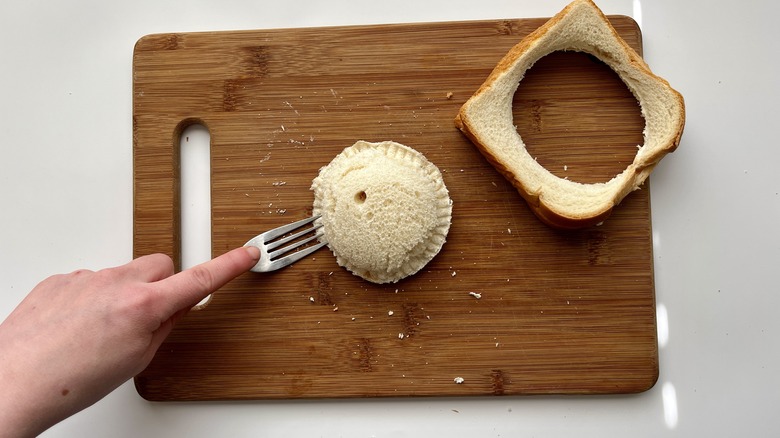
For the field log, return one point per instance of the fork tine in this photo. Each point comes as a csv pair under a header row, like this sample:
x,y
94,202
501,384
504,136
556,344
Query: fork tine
x,y
278,237
284,229
275,254
294,257
280,242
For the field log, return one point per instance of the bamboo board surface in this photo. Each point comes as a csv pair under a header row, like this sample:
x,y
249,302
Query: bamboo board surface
x,y
560,312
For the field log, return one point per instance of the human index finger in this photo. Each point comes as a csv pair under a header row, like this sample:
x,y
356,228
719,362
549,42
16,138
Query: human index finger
x,y
188,287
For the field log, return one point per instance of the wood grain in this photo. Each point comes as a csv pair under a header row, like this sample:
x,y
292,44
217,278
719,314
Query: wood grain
x,y
559,313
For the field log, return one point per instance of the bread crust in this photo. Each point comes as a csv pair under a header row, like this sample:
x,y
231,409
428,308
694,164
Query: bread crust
x,y
634,175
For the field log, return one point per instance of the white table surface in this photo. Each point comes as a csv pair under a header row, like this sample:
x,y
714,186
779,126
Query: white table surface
x,y
66,200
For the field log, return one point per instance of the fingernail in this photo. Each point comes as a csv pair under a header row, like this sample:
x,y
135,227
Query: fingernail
x,y
253,252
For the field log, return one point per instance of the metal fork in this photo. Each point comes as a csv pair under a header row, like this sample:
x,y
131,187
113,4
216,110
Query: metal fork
x,y
272,258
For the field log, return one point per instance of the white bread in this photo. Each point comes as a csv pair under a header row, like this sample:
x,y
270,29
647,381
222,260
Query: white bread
x,y
486,118
385,210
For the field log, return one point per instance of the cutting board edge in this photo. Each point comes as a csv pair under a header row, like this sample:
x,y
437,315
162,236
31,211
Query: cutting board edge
x,y
174,140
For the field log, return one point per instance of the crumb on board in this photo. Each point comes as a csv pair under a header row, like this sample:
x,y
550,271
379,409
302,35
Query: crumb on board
x,y
390,313
311,299
459,380
476,295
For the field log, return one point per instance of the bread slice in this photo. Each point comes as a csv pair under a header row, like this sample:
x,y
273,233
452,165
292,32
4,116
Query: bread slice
x,y
385,210
486,118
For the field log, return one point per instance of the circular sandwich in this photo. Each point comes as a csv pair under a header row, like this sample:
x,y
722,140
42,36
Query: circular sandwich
x,y
385,211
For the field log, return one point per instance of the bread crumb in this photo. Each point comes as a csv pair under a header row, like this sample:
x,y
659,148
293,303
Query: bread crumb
x,y
459,380
475,295
400,335
311,299
449,95
454,273
389,313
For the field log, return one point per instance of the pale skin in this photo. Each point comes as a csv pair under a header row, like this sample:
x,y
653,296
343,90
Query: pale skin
x,y
76,337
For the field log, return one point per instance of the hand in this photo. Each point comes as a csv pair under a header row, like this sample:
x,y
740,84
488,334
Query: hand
x,y
77,337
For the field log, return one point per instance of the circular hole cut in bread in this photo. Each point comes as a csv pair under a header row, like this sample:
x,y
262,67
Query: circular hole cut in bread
x,y
586,131
385,211
487,120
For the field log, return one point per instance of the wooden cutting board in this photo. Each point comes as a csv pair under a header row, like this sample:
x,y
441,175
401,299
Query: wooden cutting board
x,y
559,313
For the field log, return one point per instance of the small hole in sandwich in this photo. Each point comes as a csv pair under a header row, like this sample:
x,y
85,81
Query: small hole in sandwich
x,y
360,197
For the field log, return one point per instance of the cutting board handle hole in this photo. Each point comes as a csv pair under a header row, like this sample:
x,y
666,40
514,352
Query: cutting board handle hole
x,y
195,197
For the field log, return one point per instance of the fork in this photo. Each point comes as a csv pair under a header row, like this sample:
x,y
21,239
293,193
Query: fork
x,y
272,258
